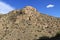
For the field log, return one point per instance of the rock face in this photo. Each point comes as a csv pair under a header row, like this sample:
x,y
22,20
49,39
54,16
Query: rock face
x,y
27,24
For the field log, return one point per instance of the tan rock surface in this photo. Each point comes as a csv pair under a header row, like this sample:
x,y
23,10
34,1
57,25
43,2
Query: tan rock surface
x,y
27,24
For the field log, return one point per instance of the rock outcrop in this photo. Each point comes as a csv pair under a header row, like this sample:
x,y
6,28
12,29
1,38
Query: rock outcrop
x,y
27,24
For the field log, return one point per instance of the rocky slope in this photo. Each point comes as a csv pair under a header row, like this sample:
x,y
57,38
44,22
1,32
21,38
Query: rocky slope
x,y
27,24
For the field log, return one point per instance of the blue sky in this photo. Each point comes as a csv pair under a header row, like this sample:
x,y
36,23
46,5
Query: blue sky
x,y
50,7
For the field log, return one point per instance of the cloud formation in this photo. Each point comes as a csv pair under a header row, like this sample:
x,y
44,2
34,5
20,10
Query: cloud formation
x,y
5,8
49,6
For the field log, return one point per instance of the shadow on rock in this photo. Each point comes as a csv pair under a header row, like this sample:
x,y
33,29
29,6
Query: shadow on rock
x,y
57,37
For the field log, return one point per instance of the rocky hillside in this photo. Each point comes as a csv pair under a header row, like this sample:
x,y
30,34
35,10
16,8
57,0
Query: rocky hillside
x,y
27,24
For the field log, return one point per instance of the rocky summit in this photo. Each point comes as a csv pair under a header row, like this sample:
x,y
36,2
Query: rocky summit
x,y
27,24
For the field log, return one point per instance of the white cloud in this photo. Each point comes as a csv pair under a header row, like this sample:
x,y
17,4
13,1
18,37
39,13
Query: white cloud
x,y
5,8
49,6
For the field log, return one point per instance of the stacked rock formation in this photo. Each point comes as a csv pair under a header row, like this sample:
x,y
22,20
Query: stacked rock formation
x,y
27,24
